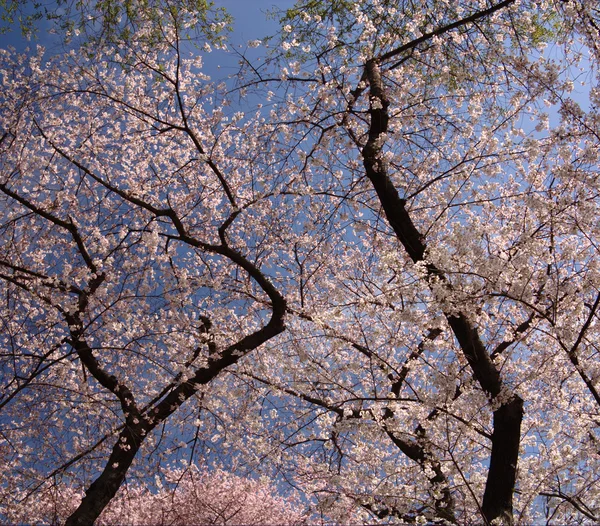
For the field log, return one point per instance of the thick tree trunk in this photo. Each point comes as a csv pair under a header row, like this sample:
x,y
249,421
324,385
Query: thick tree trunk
x,y
497,501
105,487
498,497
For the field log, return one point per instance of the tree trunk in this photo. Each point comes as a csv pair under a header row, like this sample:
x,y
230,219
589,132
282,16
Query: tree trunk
x,y
500,483
105,487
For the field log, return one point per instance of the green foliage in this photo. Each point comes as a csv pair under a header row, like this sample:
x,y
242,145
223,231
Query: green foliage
x,y
114,21
327,10
12,11
540,29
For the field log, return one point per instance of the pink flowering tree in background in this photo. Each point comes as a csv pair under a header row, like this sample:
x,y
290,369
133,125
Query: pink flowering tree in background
x,y
366,268
189,496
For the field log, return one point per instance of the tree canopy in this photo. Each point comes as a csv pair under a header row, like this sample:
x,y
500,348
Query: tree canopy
x,y
112,22
365,266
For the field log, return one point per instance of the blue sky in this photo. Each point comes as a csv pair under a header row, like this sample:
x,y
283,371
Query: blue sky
x,y
250,17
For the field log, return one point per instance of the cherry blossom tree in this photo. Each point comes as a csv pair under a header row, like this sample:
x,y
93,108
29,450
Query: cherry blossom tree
x,y
125,294
462,271
369,267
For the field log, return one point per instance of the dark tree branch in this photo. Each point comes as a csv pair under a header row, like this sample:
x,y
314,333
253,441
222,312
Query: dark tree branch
x,y
573,501
442,30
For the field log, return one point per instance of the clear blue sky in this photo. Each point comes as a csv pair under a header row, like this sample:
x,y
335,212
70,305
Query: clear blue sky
x,y
250,17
